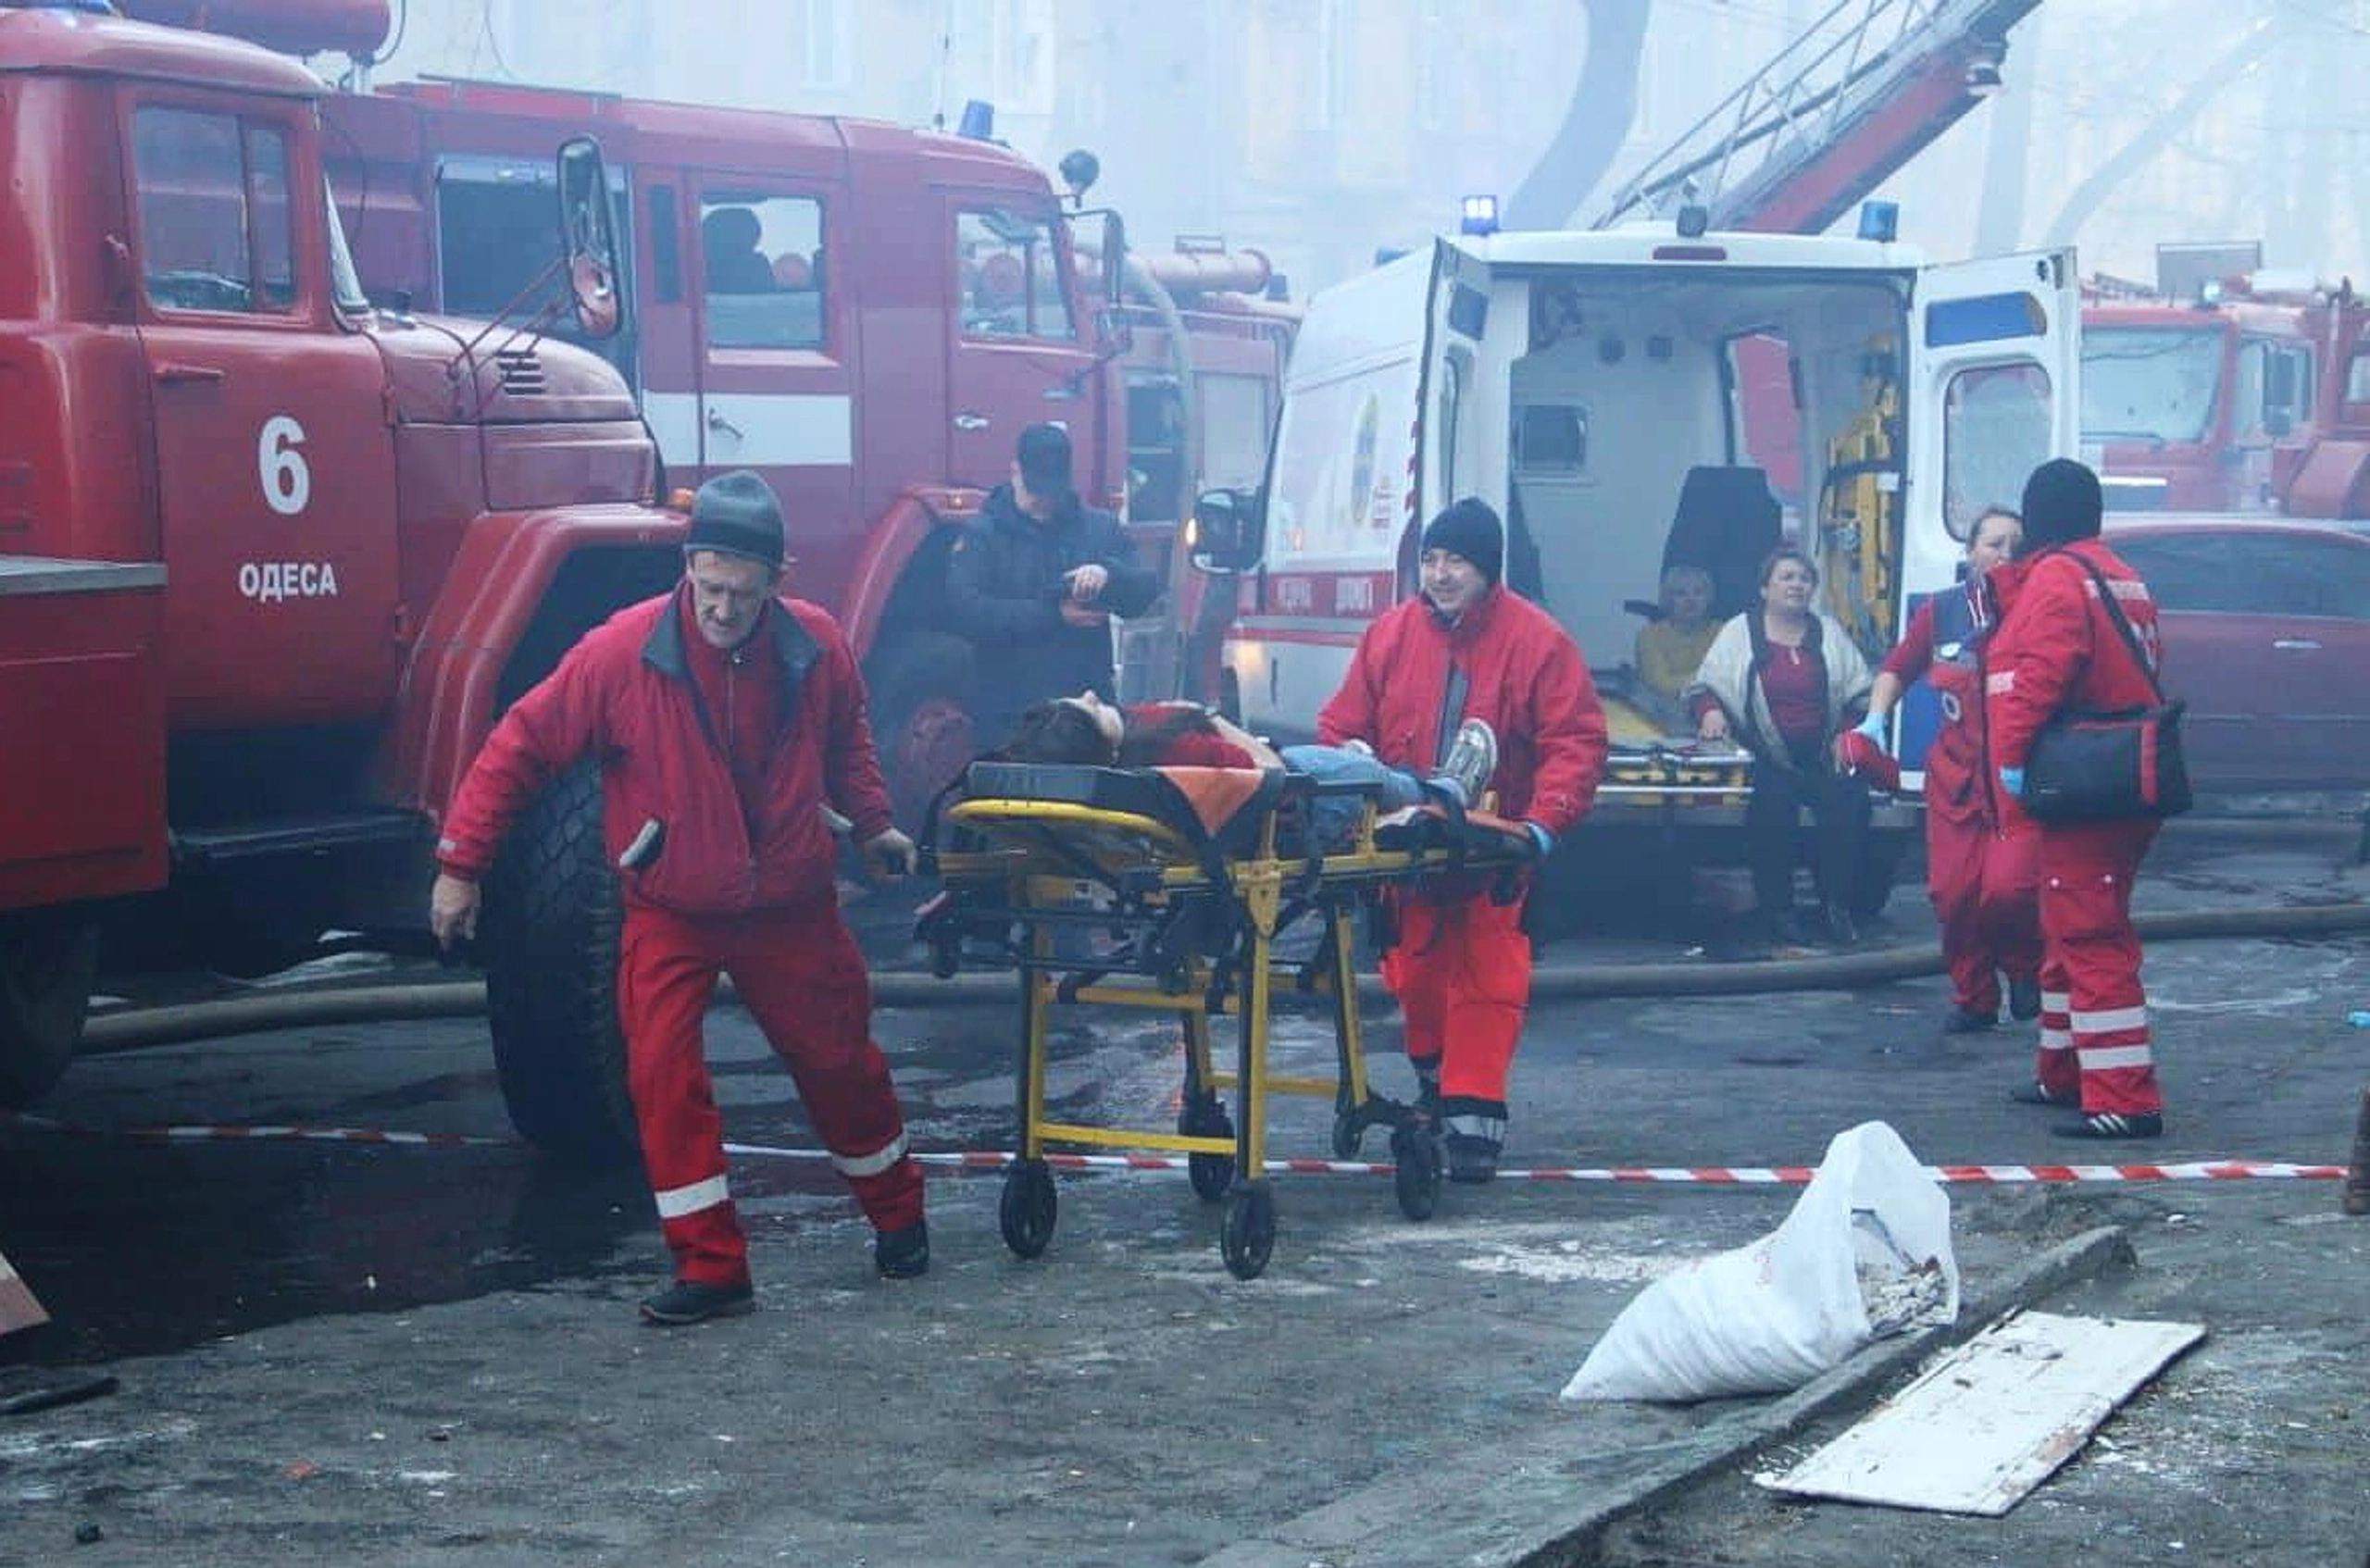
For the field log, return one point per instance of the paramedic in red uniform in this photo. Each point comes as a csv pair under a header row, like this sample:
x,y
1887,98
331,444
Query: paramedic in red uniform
x,y
1980,847
2056,648
1470,648
731,716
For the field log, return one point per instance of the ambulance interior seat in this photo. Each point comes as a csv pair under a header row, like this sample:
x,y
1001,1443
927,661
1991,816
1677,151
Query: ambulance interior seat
x,y
1727,522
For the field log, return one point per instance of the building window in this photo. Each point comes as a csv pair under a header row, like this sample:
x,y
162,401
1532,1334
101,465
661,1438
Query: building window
x,y
826,45
1432,45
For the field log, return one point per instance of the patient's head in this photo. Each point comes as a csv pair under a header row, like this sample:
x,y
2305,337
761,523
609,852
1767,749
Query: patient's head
x,y
1687,595
1065,729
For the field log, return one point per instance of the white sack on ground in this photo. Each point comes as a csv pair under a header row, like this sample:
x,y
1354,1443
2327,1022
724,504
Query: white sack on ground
x,y
1865,1253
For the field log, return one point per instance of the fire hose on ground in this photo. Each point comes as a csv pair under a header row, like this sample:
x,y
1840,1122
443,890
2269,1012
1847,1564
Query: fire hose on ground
x,y
133,1028
136,1027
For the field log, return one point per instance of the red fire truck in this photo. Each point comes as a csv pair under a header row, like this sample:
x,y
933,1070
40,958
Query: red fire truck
x,y
275,559
2249,392
2204,403
867,315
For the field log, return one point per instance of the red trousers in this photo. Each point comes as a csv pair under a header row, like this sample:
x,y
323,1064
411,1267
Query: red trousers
x,y
2093,1013
1983,881
1461,970
804,980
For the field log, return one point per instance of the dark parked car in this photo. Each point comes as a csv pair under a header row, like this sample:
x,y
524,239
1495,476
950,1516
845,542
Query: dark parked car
x,y
2266,629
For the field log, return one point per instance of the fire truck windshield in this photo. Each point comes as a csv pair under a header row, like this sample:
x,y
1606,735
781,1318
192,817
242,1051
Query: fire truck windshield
x,y
2152,383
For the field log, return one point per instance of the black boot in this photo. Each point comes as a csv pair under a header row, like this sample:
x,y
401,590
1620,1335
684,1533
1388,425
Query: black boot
x,y
2024,999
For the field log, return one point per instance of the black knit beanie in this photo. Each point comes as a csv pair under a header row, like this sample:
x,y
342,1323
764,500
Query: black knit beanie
x,y
2062,504
1469,527
737,514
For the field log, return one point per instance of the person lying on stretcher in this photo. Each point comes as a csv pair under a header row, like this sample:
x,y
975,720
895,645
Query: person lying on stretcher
x,y
1086,729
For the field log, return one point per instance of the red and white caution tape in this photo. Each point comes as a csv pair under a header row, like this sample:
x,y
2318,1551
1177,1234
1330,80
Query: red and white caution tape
x,y
1696,1175
989,1160
258,1134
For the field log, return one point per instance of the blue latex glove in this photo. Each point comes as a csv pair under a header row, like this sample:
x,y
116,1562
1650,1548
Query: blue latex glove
x,y
1541,839
1873,727
2013,780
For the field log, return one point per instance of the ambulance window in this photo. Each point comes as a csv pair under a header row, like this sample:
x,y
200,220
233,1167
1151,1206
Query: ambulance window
x,y
215,230
1995,433
761,262
1451,405
1011,277
1550,439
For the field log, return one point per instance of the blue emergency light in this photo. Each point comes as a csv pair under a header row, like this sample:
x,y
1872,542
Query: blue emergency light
x,y
1880,221
979,122
1480,216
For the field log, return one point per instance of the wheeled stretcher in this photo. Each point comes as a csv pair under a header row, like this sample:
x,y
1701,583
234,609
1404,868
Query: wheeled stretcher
x,y
1185,879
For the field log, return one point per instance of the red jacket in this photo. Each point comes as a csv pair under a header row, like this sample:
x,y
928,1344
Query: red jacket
x,y
1524,674
2057,646
625,695
1945,644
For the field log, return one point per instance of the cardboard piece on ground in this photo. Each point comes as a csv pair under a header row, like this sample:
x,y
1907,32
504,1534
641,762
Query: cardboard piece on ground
x,y
2017,1400
18,1308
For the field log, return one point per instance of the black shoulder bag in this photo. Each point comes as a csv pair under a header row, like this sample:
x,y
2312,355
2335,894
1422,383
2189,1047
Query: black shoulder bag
x,y
2091,766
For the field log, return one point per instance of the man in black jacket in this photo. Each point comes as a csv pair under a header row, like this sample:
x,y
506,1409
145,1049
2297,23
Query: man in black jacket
x,y
1033,583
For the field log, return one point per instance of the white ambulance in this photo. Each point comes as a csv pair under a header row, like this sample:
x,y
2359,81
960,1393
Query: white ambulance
x,y
1634,397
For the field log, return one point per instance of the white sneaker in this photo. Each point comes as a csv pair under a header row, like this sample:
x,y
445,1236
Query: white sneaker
x,y
1472,758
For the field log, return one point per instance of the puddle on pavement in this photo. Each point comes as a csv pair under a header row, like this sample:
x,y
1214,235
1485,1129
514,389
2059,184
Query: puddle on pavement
x,y
142,1249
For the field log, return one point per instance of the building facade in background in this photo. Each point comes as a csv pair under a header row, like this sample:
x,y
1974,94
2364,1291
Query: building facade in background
x,y
1319,131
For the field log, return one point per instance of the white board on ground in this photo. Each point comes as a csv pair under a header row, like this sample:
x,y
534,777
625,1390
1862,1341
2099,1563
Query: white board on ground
x,y
1990,1421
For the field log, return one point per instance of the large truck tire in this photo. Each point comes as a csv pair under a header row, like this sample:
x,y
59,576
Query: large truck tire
x,y
548,935
922,688
48,960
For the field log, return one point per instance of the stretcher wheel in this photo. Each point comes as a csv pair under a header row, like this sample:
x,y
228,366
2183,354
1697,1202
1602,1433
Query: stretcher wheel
x,y
1210,1173
1349,1131
1247,1233
1028,1207
1415,1173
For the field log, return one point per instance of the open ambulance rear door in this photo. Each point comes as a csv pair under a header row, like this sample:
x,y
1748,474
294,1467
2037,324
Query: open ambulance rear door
x,y
1994,390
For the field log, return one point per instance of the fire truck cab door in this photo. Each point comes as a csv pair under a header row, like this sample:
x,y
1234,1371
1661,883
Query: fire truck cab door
x,y
1992,390
1017,352
775,326
274,462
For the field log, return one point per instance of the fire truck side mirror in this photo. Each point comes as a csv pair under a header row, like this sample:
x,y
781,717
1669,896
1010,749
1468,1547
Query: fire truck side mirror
x,y
588,239
1224,529
1115,254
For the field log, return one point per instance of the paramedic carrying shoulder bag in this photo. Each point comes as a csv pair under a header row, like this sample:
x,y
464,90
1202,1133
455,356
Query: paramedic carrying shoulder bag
x,y
2089,767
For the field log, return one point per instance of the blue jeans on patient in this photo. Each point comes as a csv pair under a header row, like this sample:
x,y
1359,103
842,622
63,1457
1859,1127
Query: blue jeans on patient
x,y
1335,818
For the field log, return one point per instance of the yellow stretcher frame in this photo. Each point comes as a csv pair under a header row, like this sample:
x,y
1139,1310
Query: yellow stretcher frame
x,y
1197,913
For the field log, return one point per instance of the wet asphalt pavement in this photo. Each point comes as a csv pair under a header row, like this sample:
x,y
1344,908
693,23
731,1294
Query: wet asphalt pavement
x,y
342,1351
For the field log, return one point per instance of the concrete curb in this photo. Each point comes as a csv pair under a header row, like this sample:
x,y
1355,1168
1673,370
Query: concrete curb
x,y
1507,1507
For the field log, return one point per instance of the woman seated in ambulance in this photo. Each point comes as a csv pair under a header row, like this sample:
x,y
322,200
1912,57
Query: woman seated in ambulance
x,y
1671,649
1785,681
